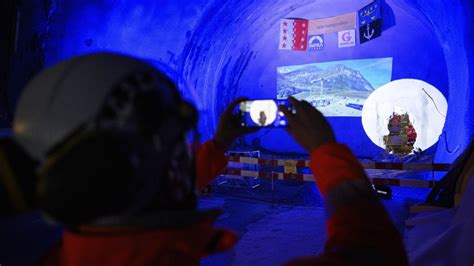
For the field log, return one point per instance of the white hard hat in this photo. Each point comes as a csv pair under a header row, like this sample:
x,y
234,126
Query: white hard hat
x,y
58,100
109,133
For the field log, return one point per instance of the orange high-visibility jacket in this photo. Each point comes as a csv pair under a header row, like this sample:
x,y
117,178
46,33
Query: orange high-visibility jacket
x,y
358,228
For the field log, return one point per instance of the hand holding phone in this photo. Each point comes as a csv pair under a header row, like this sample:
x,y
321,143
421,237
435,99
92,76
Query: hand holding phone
x,y
307,125
263,113
229,128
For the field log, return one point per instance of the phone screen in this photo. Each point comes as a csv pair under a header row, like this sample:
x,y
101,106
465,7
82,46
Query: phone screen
x,y
263,113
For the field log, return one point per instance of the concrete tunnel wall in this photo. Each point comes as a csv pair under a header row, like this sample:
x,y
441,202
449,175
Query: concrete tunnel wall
x,y
217,50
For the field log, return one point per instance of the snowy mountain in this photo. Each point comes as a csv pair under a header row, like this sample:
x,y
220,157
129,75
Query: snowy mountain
x,y
336,79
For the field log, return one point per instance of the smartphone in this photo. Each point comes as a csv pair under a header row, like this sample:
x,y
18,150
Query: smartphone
x,y
263,113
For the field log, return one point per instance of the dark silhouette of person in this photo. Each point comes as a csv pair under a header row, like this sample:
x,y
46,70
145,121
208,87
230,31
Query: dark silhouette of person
x,y
116,170
262,118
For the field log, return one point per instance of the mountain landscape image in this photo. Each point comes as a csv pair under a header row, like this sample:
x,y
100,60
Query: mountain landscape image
x,y
336,88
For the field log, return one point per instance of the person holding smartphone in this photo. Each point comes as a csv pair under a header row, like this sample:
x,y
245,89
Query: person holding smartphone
x,y
359,229
109,134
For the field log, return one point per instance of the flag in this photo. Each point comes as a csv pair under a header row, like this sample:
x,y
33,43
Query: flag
x,y
369,13
370,31
370,22
294,34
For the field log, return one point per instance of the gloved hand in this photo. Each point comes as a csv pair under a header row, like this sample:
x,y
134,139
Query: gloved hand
x,y
307,125
229,128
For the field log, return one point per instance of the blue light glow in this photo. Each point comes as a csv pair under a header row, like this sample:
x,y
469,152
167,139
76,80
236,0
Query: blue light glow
x,y
217,50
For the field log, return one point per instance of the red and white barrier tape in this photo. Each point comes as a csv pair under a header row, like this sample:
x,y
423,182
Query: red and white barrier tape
x,y
268,175
231,172
366,165
406,166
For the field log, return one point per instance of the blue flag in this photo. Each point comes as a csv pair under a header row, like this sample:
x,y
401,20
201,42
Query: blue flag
x,y
369,13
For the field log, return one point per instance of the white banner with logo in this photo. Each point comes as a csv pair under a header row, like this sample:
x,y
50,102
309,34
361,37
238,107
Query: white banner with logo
x,y
346,38
333,24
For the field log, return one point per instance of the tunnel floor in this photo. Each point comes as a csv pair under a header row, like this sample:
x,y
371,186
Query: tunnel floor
x,y
276,227
276,222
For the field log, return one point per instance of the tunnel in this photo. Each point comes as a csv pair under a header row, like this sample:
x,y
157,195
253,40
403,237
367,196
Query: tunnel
x,y
218,50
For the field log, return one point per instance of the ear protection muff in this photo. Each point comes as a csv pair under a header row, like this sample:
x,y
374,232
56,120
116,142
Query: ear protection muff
x,y
88,177
132,158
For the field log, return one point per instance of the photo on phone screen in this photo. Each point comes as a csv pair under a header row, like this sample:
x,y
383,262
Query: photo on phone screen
x,y
263,113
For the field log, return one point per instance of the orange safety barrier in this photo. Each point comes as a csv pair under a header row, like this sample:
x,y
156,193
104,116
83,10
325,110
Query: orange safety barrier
x,y
292,175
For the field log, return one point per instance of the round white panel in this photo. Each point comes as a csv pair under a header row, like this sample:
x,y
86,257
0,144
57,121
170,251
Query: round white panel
x,y
263,112
426,106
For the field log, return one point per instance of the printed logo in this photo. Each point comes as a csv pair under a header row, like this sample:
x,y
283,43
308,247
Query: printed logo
x,y
346,38
370,31
315,43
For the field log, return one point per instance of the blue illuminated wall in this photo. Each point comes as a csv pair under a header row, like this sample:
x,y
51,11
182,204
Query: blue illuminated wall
x,y
217,50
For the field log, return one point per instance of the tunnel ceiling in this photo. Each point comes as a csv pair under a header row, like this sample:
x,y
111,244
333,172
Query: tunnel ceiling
x,y
217,50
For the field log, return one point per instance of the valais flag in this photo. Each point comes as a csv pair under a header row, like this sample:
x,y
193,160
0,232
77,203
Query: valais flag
x,y
294,34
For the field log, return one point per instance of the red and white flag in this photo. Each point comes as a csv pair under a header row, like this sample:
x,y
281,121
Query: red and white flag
x,y
294,34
